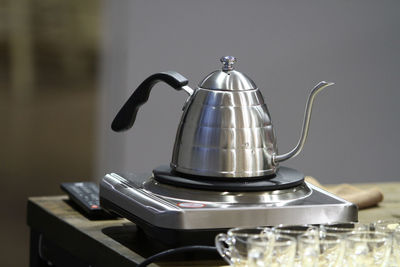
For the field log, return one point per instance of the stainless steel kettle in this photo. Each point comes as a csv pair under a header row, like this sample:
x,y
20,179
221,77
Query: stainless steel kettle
x,y
225,129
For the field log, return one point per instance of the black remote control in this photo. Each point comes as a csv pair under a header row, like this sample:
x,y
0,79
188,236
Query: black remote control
x,y
86,196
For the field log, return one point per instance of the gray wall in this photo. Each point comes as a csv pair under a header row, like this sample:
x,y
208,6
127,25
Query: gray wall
x,y
285,47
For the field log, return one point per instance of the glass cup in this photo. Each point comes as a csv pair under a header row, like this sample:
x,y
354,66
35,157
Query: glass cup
x,y
367,248
389,227
321,250
295,231
271,250
344,228
232,246
396,245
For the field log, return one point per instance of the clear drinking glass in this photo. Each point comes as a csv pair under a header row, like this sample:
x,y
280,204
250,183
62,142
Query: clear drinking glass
x,y
367,248
321,250
232,246
295,231
271,250
389,227
344,228
396,245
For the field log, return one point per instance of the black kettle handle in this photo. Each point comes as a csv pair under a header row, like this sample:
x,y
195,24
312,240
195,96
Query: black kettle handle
x,y
127,115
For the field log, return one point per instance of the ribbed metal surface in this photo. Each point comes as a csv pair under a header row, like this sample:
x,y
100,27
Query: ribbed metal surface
x,y
225,134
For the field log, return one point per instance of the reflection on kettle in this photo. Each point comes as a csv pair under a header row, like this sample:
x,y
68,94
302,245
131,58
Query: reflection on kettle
x,y
225,129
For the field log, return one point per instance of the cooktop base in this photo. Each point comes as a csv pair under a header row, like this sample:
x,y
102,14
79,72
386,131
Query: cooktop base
x,y
176,215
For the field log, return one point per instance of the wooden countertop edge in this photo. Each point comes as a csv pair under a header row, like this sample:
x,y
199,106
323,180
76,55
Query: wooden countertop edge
x,y
78,242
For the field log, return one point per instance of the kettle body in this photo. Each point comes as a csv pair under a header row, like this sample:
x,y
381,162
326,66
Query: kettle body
x,y
225,130
225,133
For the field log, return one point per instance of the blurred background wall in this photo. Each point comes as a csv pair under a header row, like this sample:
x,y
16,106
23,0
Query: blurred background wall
x,y
66,67
48,75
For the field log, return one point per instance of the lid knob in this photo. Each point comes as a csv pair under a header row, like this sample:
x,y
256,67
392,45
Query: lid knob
x,y
228,62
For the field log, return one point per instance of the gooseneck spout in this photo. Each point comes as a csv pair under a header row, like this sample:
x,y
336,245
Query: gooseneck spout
x,y
306,123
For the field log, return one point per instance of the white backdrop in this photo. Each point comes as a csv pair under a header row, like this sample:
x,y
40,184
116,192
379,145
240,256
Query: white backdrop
x,y
285,47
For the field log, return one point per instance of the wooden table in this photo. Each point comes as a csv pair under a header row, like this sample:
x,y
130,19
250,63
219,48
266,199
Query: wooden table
x,y
65,237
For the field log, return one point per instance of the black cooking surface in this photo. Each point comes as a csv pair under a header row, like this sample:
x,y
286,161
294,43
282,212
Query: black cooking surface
x,y
284,178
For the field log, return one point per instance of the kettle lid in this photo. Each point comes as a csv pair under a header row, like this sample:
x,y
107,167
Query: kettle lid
x,y
227,78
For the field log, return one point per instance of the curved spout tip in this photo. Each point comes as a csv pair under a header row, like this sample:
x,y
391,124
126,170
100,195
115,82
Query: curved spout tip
x,y
329,83
321,85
